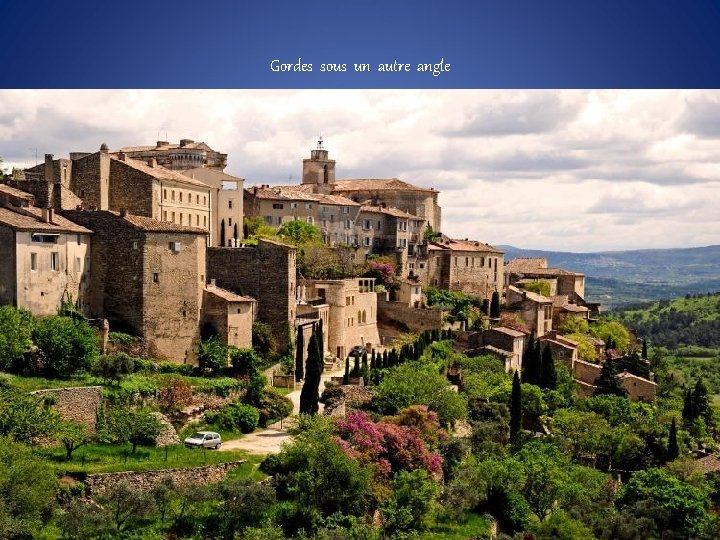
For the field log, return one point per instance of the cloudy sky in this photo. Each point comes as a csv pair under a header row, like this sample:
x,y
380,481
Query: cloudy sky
x,y
563,170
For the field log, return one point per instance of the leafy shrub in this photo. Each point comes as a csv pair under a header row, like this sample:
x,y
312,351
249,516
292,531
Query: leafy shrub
x,y
245,362
221,386
145,365
177,369
174,394
263,340
69,346
121,338
235,416
15,334
212,355
273,407
113,367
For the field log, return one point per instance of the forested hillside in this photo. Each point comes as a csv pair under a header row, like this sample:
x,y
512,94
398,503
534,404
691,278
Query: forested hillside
x,y
683,322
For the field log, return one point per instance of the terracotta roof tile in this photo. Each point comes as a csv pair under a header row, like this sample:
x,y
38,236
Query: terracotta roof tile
x,y
160,172
508,331
462,245
21,221
523,264
108,218
376,184
390,211
14,192
227,295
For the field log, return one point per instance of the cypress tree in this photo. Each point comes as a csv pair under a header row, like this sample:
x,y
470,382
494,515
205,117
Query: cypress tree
x,y
644,355
309,396
672,450
356,366
701,403
222,232
372,360
246,231
346,376
533,371
688,411
365,361
495,305
608,383
321,343
515,408
235,231
548,376
299,353
385,359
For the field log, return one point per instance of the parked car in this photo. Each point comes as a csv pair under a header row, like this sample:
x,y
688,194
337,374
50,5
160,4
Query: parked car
x,y
204,439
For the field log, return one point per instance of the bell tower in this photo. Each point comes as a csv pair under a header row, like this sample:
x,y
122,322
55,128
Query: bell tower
x,y
319,171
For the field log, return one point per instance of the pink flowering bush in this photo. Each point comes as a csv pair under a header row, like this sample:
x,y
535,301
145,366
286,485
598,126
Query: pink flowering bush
x,y
383,271
389,446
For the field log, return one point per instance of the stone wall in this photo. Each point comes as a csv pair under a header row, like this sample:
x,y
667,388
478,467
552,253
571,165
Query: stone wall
x,y
146,480
131,189
8,267
415,319
76,404
265,272
585,371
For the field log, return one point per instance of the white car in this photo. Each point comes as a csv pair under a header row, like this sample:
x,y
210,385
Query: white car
x,y
203,439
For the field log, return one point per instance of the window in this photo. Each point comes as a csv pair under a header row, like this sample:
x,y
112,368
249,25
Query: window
x,y
347,300
310,220
54,261
33,262
279,220
379,225
482,261
44,238
229,222
164,215
278,206
293,205
156,277
78,264
204,221
79,239
324,223
197,220
173,217
181,196
82,193
422,265
197,199
204,200
172,195
135,244
268,220
348,224
165,194
346,210
181,217
467,262
366,241
230,204
308,205
366,224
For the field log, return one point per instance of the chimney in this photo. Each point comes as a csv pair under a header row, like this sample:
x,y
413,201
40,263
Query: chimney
x,y
151,162
51,215
49,168
121,156
213,282
46,215
185,142
123,212
162,144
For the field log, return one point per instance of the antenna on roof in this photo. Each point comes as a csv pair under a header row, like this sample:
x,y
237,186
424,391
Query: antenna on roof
x,y
320,143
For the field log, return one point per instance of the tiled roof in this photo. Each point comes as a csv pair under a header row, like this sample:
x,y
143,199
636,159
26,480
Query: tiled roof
x,y
508,331
299,193
525,264
560,343
390,211
111,219
192,146
227,295
462,245
21,221
544,272
14,192
215,174
628,375
708,464
160,172
376,184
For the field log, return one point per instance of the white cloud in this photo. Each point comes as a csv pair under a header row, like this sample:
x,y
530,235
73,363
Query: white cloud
x,y
578,170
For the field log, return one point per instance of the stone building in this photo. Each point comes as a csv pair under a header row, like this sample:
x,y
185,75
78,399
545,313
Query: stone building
x,y
148,279
508,340
265,272
461,265
45,258
352,313
228,316
186,155
107,181
335,216
534,309
638,388
226,208
562,282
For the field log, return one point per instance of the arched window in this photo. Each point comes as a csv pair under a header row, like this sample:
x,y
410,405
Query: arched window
x,y
364,316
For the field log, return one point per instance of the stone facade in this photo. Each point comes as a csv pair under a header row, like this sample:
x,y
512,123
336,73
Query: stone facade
x,y
461,265
188,154
226,204
562,282
352,318
534,309
75,404
266,273
638,388
46,260
412,318
148,280
146,480
228,315
508,340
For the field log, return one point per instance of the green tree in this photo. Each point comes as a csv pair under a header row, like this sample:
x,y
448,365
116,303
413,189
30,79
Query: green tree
x,y
310,393
69,345
414,494
673,451
125,505
213,355
299,232
688,410
16,327
113,366
245,362
539,286
27,490
495,305
532,365
644,354
515,408
300,356
608,382
615,331
683,506
701,403
263,340
572,324
72,435
134,426
243,503
548,376
24,417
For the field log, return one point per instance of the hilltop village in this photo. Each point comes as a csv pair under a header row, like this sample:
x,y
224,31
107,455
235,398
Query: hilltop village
x,y
154,241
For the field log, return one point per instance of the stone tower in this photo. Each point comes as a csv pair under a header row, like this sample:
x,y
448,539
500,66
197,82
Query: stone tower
x,y
319,171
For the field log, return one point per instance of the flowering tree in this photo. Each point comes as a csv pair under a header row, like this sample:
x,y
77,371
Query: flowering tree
x,y
390,447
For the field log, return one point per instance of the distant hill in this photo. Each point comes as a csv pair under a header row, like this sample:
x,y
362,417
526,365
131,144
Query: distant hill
x,y
617,278
682,322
